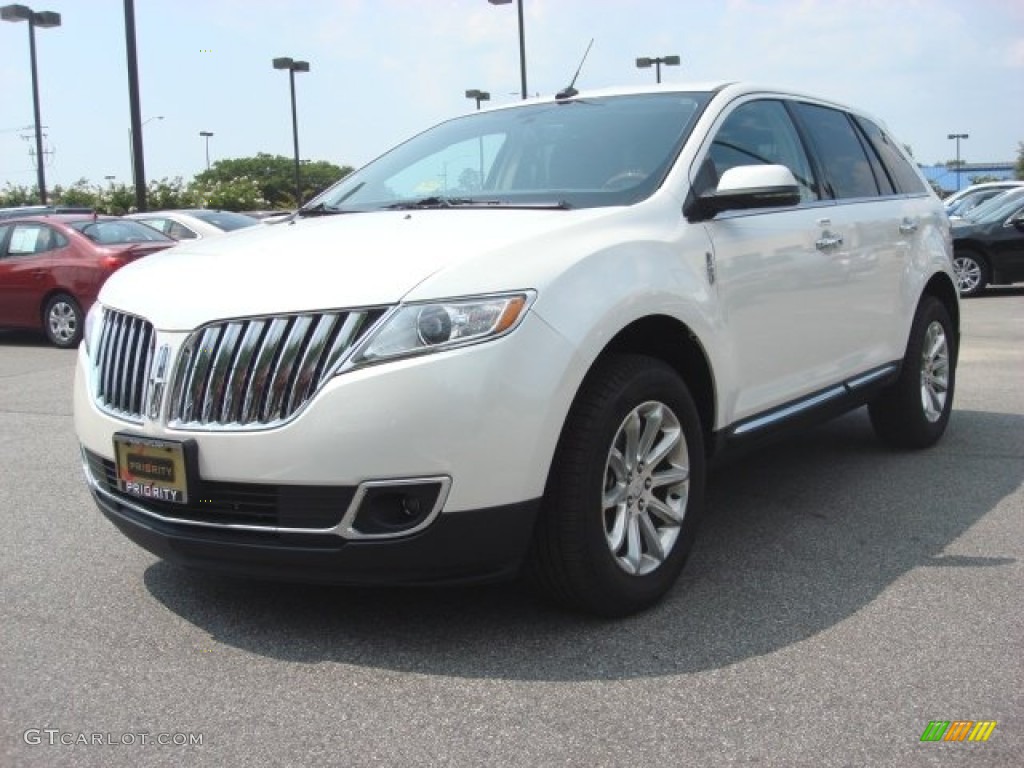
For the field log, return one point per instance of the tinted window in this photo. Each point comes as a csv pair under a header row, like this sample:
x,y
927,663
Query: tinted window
x,y
847,167
118,231
902,173
757,133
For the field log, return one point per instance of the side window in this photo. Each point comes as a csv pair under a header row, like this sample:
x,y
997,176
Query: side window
x,y
5,229
904,177
757,133
179,231
843,157
27,239
161,225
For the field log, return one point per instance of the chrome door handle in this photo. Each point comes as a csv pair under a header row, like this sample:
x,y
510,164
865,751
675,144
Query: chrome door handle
x,y
828,241
908,227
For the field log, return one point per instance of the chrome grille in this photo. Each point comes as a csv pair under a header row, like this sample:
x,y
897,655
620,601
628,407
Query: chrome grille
x,y
257,372
122,359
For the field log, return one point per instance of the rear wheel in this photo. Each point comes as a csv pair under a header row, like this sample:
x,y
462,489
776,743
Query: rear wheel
x,y
62,321
914,411
971,273
625,492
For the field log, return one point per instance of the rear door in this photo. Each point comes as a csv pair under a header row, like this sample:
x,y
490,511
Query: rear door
x,y
27,252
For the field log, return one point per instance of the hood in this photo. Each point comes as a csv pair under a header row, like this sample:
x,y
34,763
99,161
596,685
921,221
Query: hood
x,y
346,260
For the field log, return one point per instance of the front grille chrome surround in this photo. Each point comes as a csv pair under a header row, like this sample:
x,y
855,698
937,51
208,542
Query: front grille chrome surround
x,y
121,364
258,372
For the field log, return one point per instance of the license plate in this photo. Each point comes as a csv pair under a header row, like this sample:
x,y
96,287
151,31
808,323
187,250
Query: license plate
x,y
151,469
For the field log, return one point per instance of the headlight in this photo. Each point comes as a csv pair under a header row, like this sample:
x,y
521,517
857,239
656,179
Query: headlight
x,y
93,323
416,329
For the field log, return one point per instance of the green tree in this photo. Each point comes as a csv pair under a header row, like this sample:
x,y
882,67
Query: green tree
x,y
274,176
81,193
12,196
170,193
241,194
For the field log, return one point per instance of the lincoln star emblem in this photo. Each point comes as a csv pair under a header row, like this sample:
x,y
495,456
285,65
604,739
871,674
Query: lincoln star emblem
x,y
157,374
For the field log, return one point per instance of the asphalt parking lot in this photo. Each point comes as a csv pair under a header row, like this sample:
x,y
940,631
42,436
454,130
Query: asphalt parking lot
x,y
840,598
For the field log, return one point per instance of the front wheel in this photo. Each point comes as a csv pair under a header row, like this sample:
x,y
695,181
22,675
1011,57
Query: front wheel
x,y
971,273
62,321
913,412
625,492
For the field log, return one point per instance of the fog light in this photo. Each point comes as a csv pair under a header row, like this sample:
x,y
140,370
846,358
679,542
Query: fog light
x,y
383,509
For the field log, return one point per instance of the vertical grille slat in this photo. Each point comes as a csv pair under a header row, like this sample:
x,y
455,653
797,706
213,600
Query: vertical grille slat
x,y
260,371
241,372
123,356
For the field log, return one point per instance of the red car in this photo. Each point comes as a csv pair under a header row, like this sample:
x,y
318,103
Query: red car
x,y
52,267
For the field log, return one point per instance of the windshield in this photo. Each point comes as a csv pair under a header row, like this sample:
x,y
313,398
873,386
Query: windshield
x,y
118,231
997,208
579,153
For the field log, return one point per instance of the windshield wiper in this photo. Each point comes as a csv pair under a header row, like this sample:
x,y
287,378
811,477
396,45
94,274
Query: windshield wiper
x,y
438,201
434,201
320,209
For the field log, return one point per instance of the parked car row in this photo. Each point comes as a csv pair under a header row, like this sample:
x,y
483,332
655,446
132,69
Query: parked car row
x,y
53,259
988,235
52,268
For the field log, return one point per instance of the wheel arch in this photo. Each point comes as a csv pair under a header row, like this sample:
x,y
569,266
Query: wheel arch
x,y
942,288
671,341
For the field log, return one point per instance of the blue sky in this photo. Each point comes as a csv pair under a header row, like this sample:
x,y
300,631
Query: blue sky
x,y
384,69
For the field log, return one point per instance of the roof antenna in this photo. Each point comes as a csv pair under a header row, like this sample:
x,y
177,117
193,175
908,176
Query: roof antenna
x,y
569,92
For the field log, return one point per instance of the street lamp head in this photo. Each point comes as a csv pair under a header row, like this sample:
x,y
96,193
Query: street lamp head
x,y
46,19
207,134
15,13
958,136
476,93
671,61
500,2
285,62
644,63
42,19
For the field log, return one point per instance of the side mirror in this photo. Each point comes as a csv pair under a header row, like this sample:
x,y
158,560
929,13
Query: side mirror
x,y
745,187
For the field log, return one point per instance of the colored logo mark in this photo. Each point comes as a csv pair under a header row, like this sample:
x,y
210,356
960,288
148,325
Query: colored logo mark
x,y
958,730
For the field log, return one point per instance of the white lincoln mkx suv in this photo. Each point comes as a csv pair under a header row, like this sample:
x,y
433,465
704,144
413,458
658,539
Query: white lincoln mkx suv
x,y
514,343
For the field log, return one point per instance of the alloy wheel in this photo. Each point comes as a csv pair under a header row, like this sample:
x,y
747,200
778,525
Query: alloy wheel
x,y
646,483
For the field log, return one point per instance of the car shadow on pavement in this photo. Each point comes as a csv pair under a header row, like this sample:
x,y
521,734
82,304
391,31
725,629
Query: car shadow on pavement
x,y
798,538
23,339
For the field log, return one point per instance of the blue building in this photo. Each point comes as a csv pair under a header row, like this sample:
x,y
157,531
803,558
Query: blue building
x,y
951,179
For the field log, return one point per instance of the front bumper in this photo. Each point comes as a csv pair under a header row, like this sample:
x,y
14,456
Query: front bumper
x,y
463,547
482,421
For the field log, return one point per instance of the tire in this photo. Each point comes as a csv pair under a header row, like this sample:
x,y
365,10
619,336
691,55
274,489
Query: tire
x,y
913,412
62,321
614,533
971,273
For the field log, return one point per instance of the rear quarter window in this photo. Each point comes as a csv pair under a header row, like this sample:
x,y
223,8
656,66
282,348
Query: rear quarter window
x,y
902,173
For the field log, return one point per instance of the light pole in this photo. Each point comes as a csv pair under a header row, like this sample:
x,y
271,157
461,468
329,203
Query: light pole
x,y
131,144
207,135
645,62
476,93
46,20
958,136
294,66
522,41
